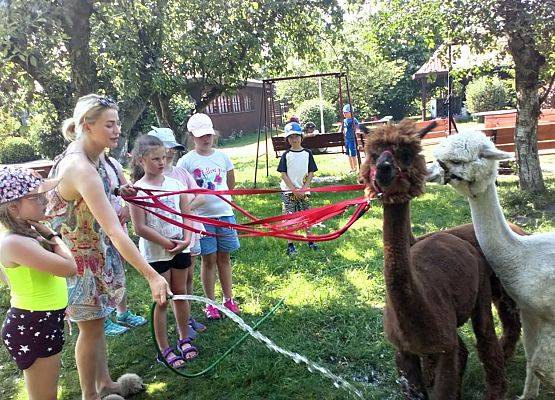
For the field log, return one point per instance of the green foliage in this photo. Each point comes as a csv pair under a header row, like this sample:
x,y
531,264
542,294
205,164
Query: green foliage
x,y
309,110
486,94
16,150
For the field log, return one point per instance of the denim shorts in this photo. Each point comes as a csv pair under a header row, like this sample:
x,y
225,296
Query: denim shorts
x,y
195,248
350,147
224,244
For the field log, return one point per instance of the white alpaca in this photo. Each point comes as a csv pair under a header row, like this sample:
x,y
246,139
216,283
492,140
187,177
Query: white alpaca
x,y
524,264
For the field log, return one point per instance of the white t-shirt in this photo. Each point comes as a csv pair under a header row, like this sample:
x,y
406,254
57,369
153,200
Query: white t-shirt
x,y
210,172
296,164
151,251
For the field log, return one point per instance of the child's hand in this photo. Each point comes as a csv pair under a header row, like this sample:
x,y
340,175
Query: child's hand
x,y
41,228
123,215
180,245
127,190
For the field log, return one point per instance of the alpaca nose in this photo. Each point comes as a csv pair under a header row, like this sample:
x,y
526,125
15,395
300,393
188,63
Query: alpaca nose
x,y
385,171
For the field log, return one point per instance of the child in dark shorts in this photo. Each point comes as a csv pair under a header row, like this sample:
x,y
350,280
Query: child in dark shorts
x,y
297,167
34,261
165,246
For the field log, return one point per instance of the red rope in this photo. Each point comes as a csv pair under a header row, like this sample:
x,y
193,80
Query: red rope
x,y
282,226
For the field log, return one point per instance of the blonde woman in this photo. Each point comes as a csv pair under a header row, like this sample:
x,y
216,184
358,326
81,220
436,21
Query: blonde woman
x,y
81,212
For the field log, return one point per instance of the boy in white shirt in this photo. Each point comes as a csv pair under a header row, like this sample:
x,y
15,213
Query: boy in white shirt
x,y
297,167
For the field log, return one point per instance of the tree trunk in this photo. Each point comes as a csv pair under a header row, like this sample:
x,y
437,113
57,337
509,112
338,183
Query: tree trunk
x,y
77,26
528,62
526,140
129,114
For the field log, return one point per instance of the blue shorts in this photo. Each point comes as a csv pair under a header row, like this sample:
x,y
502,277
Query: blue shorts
x,y
350,147
223,244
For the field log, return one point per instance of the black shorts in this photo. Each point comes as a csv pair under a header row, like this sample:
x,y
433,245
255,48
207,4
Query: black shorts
x,y
179,261
29,335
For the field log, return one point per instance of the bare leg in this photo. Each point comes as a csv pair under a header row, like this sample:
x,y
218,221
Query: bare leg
x,y
408,366
208,274
353,163
161,322
90,357
122,306
41,378
178,285
224,272
191,276
530,330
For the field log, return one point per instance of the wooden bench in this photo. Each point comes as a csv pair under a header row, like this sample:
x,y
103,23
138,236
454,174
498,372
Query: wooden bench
x,y
501,129
315,143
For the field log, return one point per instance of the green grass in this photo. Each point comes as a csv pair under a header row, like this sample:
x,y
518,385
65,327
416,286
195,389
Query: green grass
x,y
332,312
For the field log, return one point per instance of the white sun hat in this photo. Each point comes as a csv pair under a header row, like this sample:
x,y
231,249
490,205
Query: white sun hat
x,y
167,137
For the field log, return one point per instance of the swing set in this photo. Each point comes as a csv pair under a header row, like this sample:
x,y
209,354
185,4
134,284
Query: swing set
x,y
271,119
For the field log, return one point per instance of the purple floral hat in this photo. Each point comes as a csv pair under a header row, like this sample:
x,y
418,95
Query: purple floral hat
x,y
16,182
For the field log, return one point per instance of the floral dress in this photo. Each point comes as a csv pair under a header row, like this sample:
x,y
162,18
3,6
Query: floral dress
x,y
99,284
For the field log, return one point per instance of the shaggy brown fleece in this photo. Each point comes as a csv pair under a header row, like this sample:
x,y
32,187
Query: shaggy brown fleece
x,y
434,285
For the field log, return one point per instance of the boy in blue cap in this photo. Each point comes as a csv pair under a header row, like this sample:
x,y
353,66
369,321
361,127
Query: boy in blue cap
x,y
297,167
350,125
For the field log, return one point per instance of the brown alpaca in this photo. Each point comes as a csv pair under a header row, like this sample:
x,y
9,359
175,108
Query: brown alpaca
x,y
507,310
433,286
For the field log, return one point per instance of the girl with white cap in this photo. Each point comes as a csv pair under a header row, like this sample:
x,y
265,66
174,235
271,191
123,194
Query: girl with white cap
x,y
212,169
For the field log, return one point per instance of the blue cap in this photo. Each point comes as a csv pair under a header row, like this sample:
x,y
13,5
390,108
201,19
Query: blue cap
x,y
293,128
347,108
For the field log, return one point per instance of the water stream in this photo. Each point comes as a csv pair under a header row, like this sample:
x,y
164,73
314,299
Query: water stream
x,y
338,382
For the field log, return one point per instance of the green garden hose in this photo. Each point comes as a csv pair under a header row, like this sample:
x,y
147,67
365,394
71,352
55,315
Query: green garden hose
x,y
219,359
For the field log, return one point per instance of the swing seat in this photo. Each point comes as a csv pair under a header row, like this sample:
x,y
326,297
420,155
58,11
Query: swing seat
x,y
315,143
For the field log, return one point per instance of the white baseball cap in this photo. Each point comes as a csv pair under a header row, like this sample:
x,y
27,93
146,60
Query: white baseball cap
x,y
167,137
200,124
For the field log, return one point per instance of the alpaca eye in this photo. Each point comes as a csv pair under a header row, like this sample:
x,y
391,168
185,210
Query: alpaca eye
x,y
456,162
405,157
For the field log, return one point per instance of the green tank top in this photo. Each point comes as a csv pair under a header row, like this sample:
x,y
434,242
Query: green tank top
x,y
36,290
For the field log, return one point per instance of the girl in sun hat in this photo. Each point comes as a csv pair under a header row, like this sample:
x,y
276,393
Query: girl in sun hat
x,y
35,262
212,169
195,201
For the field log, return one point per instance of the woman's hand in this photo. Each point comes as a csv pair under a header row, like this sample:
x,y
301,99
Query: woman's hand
x,y
160,289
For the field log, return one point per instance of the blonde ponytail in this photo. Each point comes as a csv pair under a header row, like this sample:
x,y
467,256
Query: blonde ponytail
x,y
68,129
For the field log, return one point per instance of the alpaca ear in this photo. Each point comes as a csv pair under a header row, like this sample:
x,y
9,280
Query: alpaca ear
x,y
494,154
422,132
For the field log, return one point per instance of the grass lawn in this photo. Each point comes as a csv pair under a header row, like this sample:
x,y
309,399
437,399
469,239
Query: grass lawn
x,y
332,312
